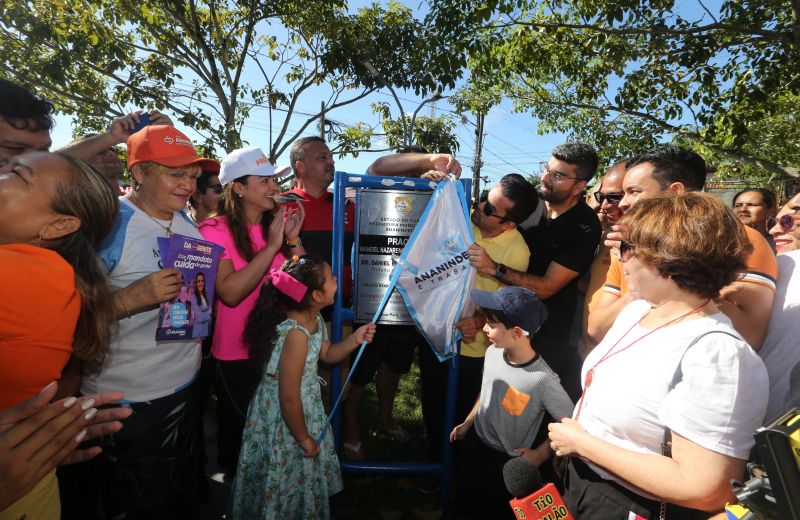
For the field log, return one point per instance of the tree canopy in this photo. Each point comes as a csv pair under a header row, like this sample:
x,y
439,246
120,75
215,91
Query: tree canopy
x,y
625,74
212,63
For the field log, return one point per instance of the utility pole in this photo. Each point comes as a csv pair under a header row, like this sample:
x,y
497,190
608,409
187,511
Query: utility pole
x,y
477,162
322,120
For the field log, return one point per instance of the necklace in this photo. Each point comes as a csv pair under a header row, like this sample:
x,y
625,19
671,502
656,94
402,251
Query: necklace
x,y
167,229
587,382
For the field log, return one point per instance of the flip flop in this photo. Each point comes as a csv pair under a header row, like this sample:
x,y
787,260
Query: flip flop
x,y
355,451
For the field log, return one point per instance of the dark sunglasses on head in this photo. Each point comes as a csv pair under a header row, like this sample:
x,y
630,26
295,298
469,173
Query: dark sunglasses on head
x,y
612,198
626,250
488,208
786,221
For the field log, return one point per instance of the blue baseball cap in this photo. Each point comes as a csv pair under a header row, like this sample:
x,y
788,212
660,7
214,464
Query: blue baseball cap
x,y
521,306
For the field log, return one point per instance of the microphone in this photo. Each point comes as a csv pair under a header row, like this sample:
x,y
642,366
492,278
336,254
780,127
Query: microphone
x,y
522,478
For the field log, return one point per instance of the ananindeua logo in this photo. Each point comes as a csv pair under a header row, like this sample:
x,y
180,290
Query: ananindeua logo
x,y
455,257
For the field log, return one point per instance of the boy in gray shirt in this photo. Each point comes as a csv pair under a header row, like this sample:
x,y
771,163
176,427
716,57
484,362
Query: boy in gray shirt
x,y
518,387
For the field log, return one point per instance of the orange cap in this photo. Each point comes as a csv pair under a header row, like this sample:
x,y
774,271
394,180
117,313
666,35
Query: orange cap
x,y
165,145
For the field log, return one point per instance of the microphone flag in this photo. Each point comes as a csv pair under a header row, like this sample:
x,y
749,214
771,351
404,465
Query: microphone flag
x,y
545,504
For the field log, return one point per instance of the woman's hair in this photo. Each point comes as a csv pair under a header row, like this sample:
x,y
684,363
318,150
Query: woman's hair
x,y
200,295
767,197
89,197
232,209
272,305
692,238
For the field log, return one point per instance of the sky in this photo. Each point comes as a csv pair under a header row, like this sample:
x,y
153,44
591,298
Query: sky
x,y
511,141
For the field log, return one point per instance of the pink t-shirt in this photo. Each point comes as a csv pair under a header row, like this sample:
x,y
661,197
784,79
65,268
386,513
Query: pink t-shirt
x,y
226,343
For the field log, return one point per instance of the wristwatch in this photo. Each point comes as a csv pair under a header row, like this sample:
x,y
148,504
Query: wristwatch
x,y
500,272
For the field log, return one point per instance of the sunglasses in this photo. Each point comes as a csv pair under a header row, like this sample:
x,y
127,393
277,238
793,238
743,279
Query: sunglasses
x,y
612,198
488,208
626,250
787,221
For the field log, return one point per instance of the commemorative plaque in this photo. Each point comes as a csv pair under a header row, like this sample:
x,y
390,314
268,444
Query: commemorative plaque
x,y
386,219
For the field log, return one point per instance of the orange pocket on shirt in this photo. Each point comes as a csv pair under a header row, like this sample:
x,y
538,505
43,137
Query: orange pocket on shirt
x,y
514,402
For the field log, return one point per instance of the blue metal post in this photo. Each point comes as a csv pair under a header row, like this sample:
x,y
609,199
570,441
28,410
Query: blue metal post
x,y
444,469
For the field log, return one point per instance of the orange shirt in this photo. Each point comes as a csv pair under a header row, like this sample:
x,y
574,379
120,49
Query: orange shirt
x,y
762,266
39,308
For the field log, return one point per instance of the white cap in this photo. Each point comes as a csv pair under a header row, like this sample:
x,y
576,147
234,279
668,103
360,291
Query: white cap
x,y
248,161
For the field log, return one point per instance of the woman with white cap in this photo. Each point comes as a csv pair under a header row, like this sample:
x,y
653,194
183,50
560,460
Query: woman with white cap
x,y
254,235
149,470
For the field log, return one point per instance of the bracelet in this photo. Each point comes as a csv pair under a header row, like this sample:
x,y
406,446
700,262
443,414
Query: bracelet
x,y
294,243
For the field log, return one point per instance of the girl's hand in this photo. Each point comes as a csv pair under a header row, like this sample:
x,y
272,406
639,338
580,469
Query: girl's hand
x,y
294,221
459,432
365,333
276,229
310,448
567,437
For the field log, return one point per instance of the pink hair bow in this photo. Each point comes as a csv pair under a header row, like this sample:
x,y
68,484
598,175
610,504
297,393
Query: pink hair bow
x,y
288,285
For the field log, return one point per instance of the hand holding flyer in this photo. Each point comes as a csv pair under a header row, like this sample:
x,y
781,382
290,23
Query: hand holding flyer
x,y
188,315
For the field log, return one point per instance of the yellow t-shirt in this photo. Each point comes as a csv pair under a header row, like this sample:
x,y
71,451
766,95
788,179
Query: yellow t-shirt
x,y
507,248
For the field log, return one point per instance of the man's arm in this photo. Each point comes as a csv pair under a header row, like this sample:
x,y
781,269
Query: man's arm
x,y
117,133
554,279
749,306
415,164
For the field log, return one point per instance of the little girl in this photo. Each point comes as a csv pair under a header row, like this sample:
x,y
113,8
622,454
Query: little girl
x,y
283,473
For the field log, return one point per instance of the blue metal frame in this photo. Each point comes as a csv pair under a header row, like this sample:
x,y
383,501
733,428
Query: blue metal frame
x,y
342,181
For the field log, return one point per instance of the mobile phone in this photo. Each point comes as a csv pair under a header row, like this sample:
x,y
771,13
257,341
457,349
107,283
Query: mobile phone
x,y
288,197
144,120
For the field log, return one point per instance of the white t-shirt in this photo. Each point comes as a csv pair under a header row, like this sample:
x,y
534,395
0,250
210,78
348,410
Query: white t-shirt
x,y
781,349
135,363
718,404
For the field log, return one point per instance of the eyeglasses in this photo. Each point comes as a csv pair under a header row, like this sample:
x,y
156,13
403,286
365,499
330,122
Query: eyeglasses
x,y
787,221
216,187
612,198
555,174
626,250
488,208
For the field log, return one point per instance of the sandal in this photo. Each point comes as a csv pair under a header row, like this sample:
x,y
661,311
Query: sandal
x,y
352,451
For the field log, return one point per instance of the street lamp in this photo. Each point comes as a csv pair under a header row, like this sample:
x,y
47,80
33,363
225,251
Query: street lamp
x,y
379,78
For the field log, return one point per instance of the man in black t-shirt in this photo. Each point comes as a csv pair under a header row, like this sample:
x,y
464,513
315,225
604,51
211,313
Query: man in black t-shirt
x,y
562,244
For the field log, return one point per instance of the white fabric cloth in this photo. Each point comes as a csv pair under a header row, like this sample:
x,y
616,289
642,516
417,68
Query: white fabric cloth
x,y
718,404
781,349
135,363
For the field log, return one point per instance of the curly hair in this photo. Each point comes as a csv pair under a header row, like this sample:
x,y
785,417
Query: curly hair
x,y
692,238
272,305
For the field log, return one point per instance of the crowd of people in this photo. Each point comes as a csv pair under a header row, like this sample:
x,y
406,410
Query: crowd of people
x,y
627,343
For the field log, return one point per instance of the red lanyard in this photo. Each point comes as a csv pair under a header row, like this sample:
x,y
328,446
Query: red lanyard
x,y
590,374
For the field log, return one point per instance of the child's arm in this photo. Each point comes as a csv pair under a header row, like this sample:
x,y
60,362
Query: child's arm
x,y
339,351
537,455
460,431
290,373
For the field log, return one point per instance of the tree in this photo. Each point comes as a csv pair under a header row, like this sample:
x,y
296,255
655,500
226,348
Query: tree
x,y
210,63
629,73
435,134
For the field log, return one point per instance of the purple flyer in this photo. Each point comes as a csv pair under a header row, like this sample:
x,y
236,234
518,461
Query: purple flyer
x,y
189,314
